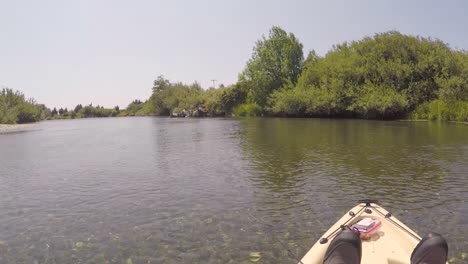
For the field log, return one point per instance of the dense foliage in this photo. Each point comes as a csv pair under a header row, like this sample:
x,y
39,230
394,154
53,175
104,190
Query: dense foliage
x,y
96,111
87,111
135,108
275,62
178,99
15,108
387,76
442,110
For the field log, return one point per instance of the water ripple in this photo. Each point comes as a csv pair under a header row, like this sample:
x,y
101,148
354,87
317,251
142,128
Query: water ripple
x,y
159,190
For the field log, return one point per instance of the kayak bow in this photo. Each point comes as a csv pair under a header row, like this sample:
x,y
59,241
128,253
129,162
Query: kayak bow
x,y
393,243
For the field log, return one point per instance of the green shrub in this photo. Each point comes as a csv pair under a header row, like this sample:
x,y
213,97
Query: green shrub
x,y
291,102
27,113
442,111
15,108
247,110
377,101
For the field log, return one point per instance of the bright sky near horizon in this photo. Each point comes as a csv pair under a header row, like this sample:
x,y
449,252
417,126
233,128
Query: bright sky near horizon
x,y
108,52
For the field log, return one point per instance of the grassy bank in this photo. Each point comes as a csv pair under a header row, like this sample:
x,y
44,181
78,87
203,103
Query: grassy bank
x,y
442,111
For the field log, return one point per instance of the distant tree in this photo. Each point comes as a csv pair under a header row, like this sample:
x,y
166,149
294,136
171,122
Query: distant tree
x,y
78,108
196,86
116,108
135,107
155,105
87,111
276,60
54,112
44,111
160,84
61,111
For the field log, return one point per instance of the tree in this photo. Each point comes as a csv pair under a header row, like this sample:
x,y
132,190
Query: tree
x,y
44,111
160,84
54,112
135,107
275,61
233,96
170,97
155,103
78,108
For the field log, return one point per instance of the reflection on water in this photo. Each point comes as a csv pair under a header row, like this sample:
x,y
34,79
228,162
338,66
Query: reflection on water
x,y
386,160
157,190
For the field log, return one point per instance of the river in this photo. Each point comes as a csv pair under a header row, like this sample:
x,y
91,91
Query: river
x,y
161,190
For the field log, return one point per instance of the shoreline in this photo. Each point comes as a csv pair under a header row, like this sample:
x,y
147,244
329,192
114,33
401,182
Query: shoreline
x,y
14,128
427,120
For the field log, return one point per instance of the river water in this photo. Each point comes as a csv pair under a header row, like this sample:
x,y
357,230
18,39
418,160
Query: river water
x,y
161,190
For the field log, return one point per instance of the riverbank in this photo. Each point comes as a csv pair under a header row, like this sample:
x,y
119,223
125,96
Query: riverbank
x,y
428,120
6,128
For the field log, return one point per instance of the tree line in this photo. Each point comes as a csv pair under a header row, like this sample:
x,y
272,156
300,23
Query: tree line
x,y
387,76
15,108
90,111
87,111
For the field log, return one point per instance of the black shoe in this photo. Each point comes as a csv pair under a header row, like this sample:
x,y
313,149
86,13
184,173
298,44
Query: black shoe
x,y
432,249
344,249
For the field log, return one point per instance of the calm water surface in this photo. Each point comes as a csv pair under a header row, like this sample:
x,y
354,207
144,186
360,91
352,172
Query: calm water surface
x,y
160,190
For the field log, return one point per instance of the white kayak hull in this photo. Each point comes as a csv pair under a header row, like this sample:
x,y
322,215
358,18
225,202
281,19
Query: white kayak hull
x,y
392,244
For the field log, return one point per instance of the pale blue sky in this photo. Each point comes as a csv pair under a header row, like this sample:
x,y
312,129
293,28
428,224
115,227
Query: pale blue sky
x,y
108,52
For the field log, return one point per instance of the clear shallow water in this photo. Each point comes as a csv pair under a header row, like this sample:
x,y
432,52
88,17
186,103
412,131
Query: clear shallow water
x,y
159,190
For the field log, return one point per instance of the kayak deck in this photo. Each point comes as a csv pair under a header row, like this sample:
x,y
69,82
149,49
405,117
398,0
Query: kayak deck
x,y
392,244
